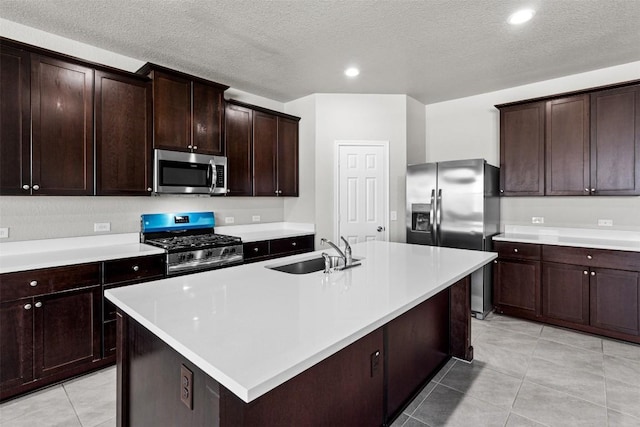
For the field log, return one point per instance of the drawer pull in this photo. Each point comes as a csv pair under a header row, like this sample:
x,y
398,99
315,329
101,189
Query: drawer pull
x,y
293,244
593,273
515,250
38,304
27,306
136,268
36,187
585,272
25,187
33,283
255,249
589,257
495,261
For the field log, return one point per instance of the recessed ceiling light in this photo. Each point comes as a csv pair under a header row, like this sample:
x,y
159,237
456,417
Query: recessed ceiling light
x,y
521,16
351,72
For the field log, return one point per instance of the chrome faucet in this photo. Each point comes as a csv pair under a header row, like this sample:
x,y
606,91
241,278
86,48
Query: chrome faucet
x,y
346,255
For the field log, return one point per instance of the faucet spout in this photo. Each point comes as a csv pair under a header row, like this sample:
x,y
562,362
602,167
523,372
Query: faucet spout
x,y
334,246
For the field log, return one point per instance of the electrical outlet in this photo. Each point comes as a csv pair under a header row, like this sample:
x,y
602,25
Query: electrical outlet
x,y
537,220
605,222
255,218
394,216
4,233
186,386
229,220
101,227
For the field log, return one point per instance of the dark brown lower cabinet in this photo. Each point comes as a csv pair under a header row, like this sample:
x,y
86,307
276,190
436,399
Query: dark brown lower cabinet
x,y
365,384
516,287
615,300
565,292
16,341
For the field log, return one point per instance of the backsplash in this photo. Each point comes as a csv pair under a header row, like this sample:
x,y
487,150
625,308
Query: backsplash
x,y
44,217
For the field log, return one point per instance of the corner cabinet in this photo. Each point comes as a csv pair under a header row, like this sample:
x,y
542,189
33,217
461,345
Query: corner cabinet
x,y
266,142
188,112
124,153
582,143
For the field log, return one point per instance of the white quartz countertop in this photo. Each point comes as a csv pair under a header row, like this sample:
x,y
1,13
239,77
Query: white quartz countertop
x,y
252,328
267,231
34,254
578,237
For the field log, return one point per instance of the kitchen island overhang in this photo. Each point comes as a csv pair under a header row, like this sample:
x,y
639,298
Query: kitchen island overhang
x,y
251,329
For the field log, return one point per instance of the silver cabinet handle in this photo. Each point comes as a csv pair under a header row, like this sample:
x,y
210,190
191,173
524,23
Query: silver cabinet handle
x,y
495,261
149,189
586,189
515,250
294,244
27,306
25,187
593,273
195,147
502,191
36,187
33,283
38,304
228,190
589,257
189,146
593,190
255,249
136,268
585,272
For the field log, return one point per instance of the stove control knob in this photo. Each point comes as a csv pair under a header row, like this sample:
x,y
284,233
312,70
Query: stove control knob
x,y
190,256
181,258
232,250
209,254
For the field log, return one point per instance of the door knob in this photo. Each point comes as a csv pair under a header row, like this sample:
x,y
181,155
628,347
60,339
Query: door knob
x,y
380,228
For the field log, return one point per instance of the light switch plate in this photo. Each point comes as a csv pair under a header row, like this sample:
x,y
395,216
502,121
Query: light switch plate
x,y
4,233
255,218
99,227
605,222
229,220
394,216
537,220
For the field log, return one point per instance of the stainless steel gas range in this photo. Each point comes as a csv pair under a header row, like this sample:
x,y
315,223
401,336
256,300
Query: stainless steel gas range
x,y
190,241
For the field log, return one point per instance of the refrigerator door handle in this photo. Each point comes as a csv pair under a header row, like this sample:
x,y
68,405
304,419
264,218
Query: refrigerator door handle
x,y
432,215
439,217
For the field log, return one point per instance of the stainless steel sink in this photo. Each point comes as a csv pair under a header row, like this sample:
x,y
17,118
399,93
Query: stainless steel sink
x,y
313,265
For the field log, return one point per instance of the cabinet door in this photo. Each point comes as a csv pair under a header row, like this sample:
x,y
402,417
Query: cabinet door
x,y
15,120
62,127
16,341
522,150
124,157
615,141
208,114
565,292
287,157
67,329
567,146
171,112
265,142
238,138
517,287
615,300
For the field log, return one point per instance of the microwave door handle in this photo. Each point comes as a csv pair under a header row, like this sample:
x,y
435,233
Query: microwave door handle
x,y
212,171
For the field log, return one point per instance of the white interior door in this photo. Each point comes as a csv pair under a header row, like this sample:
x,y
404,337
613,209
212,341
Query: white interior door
x,y
362,199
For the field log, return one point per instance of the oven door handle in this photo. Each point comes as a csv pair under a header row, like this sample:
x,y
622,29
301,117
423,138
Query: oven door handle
x,y
212,171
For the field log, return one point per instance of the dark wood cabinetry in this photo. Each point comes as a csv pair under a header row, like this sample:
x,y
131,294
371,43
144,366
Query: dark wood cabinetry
x,y
50,326
615,141
522,150
187,111
592,290
124,155
268,249
517,276
581,143
238,142
262,146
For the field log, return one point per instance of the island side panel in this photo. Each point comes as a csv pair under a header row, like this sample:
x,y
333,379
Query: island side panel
x,y
150,383
346,389
416,346
460,309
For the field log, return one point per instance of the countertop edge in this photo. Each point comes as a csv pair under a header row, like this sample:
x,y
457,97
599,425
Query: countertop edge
x,y
545,240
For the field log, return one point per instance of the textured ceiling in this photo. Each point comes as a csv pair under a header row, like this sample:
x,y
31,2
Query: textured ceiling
x,y
432,50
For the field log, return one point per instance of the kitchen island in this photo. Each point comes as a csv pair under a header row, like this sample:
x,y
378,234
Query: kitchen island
x,y
250,345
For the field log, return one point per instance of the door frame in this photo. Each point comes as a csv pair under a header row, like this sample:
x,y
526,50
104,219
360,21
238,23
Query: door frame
x,y
336,182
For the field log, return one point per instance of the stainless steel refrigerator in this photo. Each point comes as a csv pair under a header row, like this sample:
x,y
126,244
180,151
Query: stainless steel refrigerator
x,y
456,204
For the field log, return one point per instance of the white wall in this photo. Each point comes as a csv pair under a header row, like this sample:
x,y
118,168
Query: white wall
x,y
359,117
49,217
416,128
469,128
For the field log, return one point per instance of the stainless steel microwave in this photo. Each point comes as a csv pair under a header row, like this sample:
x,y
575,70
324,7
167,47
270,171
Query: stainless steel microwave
x,y
189,173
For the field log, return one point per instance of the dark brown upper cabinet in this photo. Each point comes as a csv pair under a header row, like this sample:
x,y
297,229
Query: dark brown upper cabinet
x,y
262,147
522,150
238,141
47,125
615,141
567,146
188,112
124,154
581,143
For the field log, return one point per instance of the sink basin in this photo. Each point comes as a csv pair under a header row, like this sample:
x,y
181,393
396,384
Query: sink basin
x,y
312,265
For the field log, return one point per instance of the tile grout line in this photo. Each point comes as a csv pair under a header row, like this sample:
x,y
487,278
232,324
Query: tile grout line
x,y
71,403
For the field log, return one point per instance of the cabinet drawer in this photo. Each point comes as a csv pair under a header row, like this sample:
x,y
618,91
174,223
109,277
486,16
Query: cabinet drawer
x,y
134,269
517,250
255,249
47,280
292,244
602,258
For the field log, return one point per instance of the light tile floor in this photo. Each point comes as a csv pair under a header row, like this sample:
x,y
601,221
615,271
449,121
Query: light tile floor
x,y
523,374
